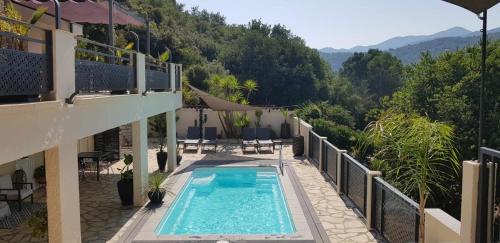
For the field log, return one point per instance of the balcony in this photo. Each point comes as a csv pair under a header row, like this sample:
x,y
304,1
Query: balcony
x,y
28,67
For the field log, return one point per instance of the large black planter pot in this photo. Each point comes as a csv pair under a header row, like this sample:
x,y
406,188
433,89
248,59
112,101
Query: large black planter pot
x,y
126,191
298,145
285,130
156,196
161,158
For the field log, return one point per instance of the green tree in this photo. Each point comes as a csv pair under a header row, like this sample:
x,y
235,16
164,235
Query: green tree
x,y
415,154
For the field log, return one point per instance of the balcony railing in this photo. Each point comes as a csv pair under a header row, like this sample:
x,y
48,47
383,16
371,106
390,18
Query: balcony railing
x,y
391,213
354,176
314,146
25,62
103,68
157,76
27,66
178,77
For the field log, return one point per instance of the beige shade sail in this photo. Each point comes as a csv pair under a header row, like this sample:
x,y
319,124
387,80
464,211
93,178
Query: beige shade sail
x,y
475,6
218,104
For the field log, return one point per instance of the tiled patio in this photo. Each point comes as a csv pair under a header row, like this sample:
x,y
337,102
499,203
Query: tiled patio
x,y
104,221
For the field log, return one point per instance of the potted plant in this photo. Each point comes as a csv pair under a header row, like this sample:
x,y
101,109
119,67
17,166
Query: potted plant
x,y
179,157
158,126
298,142
125,184
156,193
39,224
285,127
39,174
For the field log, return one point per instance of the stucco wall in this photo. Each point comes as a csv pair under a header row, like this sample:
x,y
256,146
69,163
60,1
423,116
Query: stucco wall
x,y
441,227
187,116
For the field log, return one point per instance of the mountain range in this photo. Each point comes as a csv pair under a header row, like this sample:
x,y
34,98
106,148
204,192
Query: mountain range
x,y
409,48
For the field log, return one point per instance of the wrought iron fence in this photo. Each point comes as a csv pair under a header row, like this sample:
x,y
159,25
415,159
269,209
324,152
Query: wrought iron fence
x,y
314,146
178,78
157,76
354,178
25,61
103,68
491,224
330,163
394,215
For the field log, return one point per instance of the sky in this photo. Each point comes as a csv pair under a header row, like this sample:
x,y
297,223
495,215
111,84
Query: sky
x,y
347,23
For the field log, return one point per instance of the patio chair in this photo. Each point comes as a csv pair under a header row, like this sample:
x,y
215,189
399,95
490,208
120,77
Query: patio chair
x,y
192,138
264,138
210,138
248,138
11,194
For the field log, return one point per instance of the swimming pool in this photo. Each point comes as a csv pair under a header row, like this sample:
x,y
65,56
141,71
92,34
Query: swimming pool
x,y
229,201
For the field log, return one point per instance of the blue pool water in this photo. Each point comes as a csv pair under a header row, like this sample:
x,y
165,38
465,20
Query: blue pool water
x,y
229,200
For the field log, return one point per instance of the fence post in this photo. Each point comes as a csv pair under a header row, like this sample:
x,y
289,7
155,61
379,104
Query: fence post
x,y
140,72
304,131
369,195
468,216
63,64
339,170
171,67
320,162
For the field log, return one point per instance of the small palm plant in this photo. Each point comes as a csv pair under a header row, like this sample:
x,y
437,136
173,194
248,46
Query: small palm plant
x,y
415,154
156,193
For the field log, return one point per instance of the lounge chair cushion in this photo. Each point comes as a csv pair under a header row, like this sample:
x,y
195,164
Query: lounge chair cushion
x,y
13,195
266,142
191,141
205,141
249,142
5,183
4,209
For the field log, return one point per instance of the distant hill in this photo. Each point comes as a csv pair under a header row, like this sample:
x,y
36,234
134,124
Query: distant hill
x,y
411,53
401,41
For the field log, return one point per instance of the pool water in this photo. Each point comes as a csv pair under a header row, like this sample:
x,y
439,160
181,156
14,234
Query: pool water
x,y
229,201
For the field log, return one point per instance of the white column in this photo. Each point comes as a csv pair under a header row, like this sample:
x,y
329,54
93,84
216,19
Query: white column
x,y
468,215
140,66
63,197
63,53
140,165
171,141
369,195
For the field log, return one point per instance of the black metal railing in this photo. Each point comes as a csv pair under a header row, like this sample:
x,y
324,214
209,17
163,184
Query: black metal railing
x,y
354,181
490,225
178,77
157,76
394,215
330,163
314,146
25,61
103,68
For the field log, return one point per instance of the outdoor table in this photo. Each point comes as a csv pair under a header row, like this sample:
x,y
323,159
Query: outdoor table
x,y
96,156
277,142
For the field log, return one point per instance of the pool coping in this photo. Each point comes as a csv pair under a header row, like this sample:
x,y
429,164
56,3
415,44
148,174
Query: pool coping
x,y
176,182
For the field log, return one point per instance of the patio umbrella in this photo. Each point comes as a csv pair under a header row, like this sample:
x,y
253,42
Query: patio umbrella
x,y
484,221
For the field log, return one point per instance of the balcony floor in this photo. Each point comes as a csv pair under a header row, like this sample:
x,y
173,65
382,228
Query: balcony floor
x,y
103,221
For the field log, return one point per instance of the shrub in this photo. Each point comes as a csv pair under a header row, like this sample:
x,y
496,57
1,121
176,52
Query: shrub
x,y
341,136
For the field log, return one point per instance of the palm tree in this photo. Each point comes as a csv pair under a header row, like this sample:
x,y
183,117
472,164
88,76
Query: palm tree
x,y
250,86
415,154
